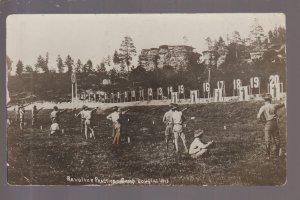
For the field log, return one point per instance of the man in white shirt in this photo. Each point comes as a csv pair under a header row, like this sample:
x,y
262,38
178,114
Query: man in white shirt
x,y
22,117
86,114
167,119
54,128
54,115
198,148
82,119
115,117
178,119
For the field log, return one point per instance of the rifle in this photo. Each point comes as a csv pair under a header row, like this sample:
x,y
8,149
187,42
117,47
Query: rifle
x,y
40,109
185,109
125,111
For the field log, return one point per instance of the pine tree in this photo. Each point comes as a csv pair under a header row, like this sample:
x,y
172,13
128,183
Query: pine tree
x,y
45,67
127,51
19,68
28,69
69,63
256,36
88,67
101,68
60,64
116,59
39,63
79,66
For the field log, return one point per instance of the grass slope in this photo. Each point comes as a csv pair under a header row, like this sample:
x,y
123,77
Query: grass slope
x,y
237,159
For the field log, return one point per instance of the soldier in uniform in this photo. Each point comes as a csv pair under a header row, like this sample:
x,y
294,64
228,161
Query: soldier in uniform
x,y
178,120
35,112
82,119
115,117
87,123
167,120
269,112
198,148
54,115
21,116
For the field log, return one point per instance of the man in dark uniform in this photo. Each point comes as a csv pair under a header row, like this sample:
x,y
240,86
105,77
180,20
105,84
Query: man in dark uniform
x,y
269,113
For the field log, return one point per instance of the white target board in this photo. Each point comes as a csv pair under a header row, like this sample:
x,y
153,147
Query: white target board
x,y
255,85
274,87
174,97
206,90
243,93
218,95
194,96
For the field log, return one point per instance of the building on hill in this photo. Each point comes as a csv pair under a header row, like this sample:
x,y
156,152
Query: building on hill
x,y
177,56
257,54
106,82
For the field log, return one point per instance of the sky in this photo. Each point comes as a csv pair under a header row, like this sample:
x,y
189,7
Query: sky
x,y
95,36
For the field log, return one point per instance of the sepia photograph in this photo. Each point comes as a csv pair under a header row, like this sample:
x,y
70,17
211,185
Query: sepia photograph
x,y
146,99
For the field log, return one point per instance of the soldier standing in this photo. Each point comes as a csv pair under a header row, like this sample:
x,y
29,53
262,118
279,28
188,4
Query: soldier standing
x,y
87,123
34,116
167,119
82,119
178,119
269,113
22,116
54,115
115,117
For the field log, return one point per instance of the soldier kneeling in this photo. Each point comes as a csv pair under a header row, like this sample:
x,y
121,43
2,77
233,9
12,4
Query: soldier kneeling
x,y
198,148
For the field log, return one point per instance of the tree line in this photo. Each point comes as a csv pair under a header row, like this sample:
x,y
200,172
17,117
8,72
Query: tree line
x,y
229,60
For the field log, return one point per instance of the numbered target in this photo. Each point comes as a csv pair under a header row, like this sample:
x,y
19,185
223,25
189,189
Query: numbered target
x,y
174,97
180,89
254,82
159,91
220,84
237,83
274,79
194,96
206,87
218,95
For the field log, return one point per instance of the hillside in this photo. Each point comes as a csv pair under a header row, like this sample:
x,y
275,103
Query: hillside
x,y
238,157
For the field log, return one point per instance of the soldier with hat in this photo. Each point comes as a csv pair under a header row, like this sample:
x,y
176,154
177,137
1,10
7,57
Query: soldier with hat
x,y
82,119
54,115
178,120
115,117
35,112
269,114
198,148
167,120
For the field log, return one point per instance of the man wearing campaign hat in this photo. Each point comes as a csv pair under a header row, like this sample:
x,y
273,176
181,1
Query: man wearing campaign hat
x,y
167,120
198,148
115,117
268,112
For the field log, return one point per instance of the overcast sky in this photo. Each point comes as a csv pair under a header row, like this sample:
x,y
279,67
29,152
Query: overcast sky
x,y
97,36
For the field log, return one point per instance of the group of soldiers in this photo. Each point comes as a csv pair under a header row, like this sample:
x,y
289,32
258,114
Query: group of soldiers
x,y
173,119
86,126
175,122
19,116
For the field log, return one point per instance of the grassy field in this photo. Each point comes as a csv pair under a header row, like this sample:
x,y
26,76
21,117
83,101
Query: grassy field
x,y
237,159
